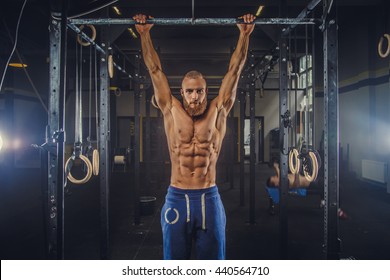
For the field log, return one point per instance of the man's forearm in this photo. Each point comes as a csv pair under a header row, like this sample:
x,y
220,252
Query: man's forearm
x,y
238,59
151,58
277,171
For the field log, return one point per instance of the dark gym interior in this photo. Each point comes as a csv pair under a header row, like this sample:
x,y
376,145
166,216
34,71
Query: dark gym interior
x,y
116,214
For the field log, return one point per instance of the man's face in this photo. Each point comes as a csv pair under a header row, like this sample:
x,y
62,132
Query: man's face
x,y
194,93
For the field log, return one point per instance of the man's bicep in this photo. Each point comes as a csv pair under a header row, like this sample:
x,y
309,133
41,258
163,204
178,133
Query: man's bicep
x,y
227,92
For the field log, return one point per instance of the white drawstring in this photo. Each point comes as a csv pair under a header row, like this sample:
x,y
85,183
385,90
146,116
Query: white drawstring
x,y
203,211
188,207
203,203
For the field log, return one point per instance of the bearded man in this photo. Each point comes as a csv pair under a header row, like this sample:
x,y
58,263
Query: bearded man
x,y
193,212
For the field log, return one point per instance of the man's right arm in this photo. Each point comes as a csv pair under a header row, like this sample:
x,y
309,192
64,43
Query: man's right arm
x,y
277,170
160,83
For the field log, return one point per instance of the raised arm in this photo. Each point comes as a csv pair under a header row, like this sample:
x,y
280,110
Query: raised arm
x,y
162,91
227,92
277,170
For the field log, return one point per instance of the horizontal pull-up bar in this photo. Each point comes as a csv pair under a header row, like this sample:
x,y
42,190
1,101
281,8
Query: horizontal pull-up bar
x,y
197,21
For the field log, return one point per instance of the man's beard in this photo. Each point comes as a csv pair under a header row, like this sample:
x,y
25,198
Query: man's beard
x,y
197,110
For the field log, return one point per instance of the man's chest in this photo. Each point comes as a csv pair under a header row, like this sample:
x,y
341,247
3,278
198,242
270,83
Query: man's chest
x,y
195,130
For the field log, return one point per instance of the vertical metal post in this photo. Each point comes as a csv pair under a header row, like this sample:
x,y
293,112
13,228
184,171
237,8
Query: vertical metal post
x,y
331,139
44,193
372,96
313,80
147,164
113,124
104,145
388,123
283,140
283,137
295,141
137,93
242,150
307,137
252,166
161,180
56,136
232,144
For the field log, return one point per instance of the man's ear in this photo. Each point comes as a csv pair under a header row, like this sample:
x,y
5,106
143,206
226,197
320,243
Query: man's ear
x,y
181,92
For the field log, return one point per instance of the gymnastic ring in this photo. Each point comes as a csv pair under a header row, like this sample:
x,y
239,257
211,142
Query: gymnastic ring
x,y
154,103
314,172
293,155
87,176
110,65
95,162
93,37
381,54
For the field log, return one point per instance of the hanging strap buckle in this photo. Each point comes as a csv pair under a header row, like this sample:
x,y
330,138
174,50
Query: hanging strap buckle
x,y
286,119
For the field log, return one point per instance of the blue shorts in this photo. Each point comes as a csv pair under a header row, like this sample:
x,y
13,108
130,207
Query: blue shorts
x,y
193,217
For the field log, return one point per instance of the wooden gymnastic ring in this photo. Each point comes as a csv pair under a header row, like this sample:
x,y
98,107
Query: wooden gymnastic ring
x,y
93,37
110,65
385,54
294,155
314,173
87,176
95,162
153,101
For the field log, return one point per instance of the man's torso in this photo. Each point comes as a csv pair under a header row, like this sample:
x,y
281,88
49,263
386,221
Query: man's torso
x,y
194,145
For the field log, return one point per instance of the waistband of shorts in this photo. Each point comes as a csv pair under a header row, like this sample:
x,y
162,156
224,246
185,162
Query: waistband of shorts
x,y
193,194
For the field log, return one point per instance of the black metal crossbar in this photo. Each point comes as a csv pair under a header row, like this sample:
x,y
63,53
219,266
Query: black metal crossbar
x,y
196,21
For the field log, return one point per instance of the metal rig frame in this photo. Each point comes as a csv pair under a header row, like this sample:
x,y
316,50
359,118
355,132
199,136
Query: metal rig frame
x,y
56,123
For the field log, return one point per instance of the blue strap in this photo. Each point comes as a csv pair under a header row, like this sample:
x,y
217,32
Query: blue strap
x,y
274,193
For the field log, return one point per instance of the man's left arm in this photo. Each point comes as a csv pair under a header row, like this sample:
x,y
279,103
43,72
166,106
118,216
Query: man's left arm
x,y
227,92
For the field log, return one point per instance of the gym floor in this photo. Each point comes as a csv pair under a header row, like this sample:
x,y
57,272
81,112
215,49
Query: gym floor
x,y
364,234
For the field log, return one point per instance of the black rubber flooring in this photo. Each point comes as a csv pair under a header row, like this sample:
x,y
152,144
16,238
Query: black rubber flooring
x,y
364,234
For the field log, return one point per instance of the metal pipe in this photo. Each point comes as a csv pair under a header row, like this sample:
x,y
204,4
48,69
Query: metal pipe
x,y
304,13
242,100
96,46
252,167
313,86
283,140
190,21
332,241
306,95
104,138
